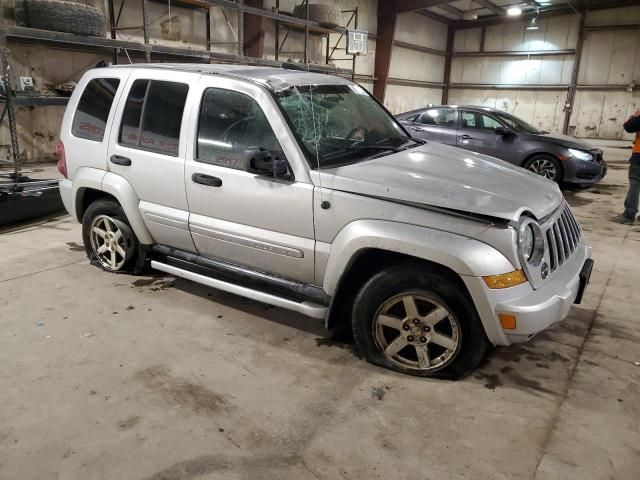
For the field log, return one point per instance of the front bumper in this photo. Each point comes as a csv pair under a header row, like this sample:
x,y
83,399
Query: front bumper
x,y
583,172
535,310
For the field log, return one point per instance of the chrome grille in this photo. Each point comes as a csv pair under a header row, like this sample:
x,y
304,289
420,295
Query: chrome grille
x,y
563,237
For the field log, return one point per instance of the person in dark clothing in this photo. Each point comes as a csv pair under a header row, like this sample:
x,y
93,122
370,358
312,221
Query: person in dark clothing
x,y
628,217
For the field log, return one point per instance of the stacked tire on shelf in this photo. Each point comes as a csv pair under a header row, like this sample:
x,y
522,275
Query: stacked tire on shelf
x,y
325,15
60,16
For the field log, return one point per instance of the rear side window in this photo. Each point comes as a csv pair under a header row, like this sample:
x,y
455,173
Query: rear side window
x,y
153,115
94,106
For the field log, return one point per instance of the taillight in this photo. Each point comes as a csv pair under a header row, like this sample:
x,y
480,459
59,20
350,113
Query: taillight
x,y
62,159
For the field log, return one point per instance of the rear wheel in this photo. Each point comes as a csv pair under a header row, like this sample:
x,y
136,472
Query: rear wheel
x,y
418,322
546,166
109,239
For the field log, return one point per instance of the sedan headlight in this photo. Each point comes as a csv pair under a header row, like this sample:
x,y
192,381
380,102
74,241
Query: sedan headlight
x,y
581,154
530,242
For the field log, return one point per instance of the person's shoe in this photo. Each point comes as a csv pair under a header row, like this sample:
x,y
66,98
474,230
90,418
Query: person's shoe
x,y
623,219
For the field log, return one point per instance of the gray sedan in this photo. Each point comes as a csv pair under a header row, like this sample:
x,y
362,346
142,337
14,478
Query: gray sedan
x,y
493,132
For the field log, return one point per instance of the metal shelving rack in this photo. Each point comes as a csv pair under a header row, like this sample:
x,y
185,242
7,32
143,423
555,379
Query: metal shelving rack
x,y
13,34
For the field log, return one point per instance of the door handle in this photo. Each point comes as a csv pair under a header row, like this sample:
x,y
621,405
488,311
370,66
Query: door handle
x,y
465,137
120,160
415,129
207,180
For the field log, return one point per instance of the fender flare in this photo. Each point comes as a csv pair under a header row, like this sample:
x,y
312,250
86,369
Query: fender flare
x,y
465,256
122,190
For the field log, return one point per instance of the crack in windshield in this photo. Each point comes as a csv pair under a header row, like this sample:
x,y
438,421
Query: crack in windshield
x,y
338,124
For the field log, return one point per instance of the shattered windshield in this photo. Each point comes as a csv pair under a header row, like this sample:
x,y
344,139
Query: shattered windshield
x,y
341,124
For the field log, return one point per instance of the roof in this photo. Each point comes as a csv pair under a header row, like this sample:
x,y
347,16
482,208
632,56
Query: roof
x,y
273,78
476,108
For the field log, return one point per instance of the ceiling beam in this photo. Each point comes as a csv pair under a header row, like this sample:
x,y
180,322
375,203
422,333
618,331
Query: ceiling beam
x,y
404,6
490,6
452,10
434,16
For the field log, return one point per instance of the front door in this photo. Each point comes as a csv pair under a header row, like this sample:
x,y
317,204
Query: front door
x,y
477,133
147,148
257,221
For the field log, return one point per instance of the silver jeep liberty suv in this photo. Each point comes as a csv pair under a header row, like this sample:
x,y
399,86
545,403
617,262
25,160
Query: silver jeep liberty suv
x,y
300,190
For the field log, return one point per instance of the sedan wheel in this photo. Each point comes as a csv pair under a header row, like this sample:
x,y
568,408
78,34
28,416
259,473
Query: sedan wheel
x,y
108,242
544,167
417,332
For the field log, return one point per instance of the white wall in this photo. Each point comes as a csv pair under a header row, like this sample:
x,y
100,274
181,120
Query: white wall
x,y
610,57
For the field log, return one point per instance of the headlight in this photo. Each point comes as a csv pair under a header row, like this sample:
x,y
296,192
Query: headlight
x,y
530,242
580,154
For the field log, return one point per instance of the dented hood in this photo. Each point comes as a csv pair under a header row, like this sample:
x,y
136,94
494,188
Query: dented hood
x,y
448,177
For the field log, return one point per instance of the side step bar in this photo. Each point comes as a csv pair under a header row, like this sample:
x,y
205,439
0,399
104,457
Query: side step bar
x,y
305,308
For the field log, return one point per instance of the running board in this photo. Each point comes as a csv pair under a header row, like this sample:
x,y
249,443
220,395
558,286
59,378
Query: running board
x,y
306,308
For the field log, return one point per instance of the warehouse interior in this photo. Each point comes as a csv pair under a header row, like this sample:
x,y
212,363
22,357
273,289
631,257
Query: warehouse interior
x,y
155,377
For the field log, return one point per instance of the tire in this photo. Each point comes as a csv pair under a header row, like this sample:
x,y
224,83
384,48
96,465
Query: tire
x,y
60,16
435,292
108,217
537,165
325,15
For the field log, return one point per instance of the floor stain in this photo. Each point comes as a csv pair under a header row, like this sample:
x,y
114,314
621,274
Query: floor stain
x,y
192,468
129,423
182,391
378,392
75,247
492,380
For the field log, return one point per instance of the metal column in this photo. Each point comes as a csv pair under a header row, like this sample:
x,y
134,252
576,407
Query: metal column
x,y
145,29
5,64
571,94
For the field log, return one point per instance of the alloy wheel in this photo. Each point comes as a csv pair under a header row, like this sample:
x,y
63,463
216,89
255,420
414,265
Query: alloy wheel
x,y
543,167
108,242
416,331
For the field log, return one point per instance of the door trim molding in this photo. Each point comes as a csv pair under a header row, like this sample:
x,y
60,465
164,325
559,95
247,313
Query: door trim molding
x,y
255,280
247,242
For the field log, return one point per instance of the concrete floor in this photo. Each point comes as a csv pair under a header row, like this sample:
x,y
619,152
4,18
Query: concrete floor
x,y
117,377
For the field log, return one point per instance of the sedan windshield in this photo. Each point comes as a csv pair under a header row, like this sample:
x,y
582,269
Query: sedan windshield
x,y
341,124
517,124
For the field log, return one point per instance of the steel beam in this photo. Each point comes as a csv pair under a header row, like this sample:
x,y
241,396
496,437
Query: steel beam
x,y
254,31
519,53
451,34
387,19
571,94
491,6
404,6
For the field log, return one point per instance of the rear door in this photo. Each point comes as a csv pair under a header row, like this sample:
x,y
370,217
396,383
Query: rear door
x,y
477,133
257,221
436,124
148,149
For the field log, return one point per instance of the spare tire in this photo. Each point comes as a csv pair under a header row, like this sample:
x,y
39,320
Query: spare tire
x,y
60,16
325,15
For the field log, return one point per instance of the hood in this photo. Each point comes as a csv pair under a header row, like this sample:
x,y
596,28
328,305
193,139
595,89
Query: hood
x,y
448,177
565,141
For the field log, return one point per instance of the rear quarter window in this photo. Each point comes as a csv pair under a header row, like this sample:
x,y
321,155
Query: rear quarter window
x,y
90,119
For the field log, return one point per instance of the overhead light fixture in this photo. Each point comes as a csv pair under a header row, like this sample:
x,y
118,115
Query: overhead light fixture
x,y
470,15
514,11
533,25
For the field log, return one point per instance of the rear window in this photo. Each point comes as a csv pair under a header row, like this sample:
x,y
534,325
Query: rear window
x,y
153,115
93,109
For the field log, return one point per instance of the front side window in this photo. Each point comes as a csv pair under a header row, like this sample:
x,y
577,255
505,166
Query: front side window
x,y
517,124
489,123
340,124
152,116
469,120
90,119
231,124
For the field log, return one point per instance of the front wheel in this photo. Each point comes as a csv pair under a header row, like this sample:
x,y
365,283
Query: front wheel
x,y
109,240
418,321
546,166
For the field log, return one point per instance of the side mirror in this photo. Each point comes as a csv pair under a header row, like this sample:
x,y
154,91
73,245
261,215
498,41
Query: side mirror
x,y
262,162
502,131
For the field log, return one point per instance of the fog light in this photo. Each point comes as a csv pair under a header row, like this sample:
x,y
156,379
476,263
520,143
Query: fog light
x,y
507,321
505,280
